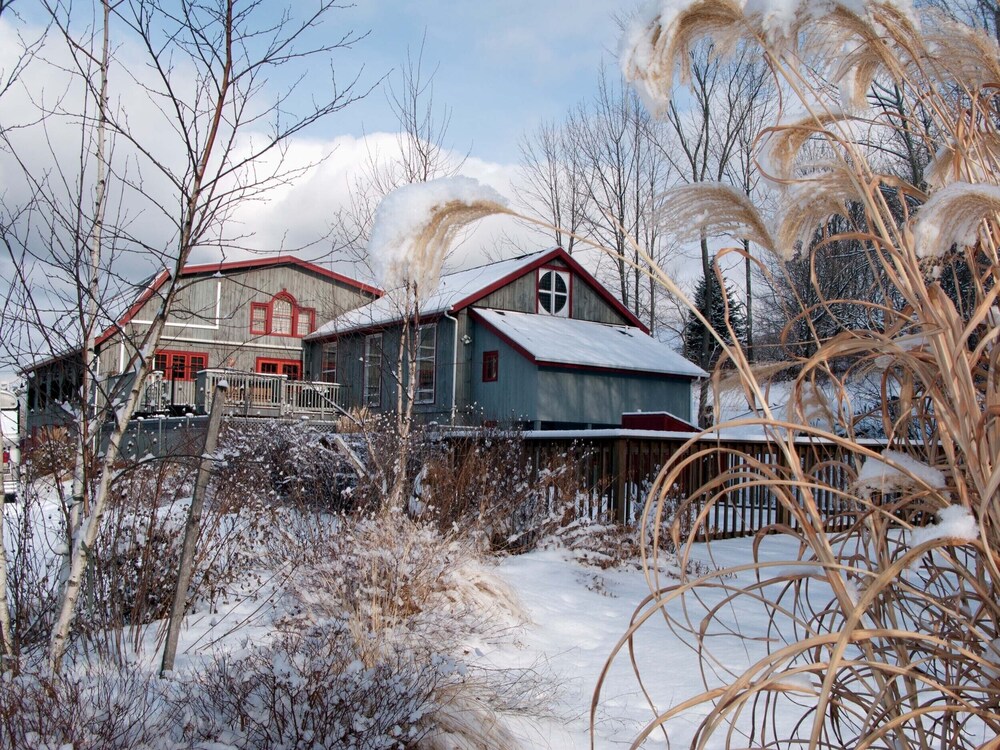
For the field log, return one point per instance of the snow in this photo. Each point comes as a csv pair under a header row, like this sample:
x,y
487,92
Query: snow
x,y
452,290
402,217
878,474
578,614
954,522
555,340
953,216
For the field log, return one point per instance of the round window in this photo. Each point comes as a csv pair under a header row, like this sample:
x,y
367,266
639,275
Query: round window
x,y
553,292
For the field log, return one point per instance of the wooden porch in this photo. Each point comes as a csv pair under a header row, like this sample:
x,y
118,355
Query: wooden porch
x,y
249,395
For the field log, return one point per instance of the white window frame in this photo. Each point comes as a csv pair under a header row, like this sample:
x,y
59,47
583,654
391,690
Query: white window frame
x,y
329,352
550,290
426,353
372,395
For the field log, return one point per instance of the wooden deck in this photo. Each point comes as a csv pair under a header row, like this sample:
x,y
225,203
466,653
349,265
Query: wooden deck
x,y
249,395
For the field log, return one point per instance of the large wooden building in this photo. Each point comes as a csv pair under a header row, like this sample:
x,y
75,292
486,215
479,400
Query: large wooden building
x,y
534,341
242,317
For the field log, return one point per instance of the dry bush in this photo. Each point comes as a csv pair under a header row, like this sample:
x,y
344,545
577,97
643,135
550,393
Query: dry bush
x,y
292,464
882,630
86,709
50,452
370,654
484,483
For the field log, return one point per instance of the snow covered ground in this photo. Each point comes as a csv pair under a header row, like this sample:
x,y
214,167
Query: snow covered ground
x,y
578,615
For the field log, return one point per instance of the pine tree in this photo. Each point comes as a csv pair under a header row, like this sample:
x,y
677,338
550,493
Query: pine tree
x,y
694,329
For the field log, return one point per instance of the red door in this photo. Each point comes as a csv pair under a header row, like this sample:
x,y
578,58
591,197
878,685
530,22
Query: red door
x,y
291,368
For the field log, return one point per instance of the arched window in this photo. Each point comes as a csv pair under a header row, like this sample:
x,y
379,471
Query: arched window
x,y
282,316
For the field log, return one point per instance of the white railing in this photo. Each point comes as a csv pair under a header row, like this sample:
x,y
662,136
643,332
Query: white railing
x,y
160,394
255,394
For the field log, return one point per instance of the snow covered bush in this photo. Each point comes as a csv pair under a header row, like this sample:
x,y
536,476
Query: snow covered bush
x,y
103,708
308,689
369,654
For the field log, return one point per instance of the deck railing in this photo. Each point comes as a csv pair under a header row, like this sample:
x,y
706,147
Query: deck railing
x,y
616,470
259,395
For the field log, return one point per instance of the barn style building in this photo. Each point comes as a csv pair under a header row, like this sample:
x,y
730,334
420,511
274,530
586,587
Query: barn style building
x,y
535,341
245,317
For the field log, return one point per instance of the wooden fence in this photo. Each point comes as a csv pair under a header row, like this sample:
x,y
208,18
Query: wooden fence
x,y
617,470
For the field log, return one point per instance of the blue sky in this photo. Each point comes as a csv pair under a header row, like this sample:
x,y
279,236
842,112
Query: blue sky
x,y
503,67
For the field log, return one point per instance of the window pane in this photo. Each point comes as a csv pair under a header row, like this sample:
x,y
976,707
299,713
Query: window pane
x,y
491,366
268,368
330,362
304,324
160,363
281,317
373,370
553,293
258,318
197,365
426,348
178,366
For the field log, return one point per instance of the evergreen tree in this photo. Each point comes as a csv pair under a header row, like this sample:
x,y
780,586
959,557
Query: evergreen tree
x,y
694,329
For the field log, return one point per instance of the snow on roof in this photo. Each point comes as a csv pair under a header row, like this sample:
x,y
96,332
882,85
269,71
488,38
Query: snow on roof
x,y
453,288
585,343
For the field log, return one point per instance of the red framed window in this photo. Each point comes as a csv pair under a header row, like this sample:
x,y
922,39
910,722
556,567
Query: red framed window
x,y
258,317
179,365
291,368
282,316
491,366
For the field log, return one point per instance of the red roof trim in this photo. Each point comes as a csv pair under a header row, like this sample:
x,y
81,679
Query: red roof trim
x,y
235,265
574,266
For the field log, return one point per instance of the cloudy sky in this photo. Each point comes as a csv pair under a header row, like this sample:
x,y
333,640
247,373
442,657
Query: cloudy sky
x,y
500,69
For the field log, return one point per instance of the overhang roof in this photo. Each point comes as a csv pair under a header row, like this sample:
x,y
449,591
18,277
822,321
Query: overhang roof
x,y
463,289
564,342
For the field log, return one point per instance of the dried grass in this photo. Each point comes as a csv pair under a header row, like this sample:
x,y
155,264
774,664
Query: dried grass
x,y
882,629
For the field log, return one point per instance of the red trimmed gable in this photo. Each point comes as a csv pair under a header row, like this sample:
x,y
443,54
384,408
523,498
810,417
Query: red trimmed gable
x,y
556,254
222,267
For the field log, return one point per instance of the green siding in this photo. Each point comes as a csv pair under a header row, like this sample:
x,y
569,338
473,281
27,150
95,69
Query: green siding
x,y
514,395
598,398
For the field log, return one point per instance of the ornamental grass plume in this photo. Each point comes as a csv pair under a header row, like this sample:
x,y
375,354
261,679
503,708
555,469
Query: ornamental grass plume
x,y
882,631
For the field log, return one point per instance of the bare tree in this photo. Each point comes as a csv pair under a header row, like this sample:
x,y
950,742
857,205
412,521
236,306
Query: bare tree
x,y
552,174
623,174
709,127
210,136
420,152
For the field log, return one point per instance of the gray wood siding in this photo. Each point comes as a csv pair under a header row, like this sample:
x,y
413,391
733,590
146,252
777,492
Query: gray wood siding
x,y
351,370
514,395
597,398
589,305
520,296
212,314
517,296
